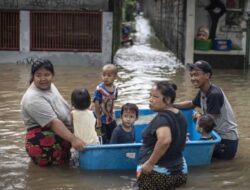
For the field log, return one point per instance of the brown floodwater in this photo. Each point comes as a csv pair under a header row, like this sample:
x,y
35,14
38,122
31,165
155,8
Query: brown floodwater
x,y
18,172
139,66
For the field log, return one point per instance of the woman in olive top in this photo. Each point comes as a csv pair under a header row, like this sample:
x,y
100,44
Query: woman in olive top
x,y
47,118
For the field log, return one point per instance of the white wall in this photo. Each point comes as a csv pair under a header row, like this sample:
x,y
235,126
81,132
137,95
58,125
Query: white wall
x,y
24,31
189,49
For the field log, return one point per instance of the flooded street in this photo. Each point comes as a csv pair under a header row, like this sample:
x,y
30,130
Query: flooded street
x,y
139,66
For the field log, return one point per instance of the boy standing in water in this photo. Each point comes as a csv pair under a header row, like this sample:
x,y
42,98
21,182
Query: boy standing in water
x,y
125,132
104,97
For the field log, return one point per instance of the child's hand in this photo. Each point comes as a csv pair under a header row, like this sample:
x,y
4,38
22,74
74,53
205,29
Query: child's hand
x,y
196,116
92,106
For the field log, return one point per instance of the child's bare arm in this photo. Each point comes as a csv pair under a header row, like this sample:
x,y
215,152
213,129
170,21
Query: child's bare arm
x,y
98,114
72,123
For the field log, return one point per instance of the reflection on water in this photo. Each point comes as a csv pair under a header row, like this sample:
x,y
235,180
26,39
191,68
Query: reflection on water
x,y
141,65
138,66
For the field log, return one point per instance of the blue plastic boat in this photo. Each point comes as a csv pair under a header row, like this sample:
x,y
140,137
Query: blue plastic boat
x,y
124,156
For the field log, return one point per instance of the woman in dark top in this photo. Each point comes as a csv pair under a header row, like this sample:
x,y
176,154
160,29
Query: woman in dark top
x,y
161,163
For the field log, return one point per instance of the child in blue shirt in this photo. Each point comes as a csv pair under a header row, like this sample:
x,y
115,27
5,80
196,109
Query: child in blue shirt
x,y
104,97
125,132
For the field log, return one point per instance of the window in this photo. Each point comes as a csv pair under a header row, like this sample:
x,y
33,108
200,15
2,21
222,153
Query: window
x,y
66,31
9,30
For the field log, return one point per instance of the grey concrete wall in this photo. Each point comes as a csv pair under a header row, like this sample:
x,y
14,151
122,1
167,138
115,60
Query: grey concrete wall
x,y
247,6
107,37
86,58
55,4
24,31
168,19
190,35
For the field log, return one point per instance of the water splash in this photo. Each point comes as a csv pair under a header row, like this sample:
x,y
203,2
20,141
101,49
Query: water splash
x,y
143,30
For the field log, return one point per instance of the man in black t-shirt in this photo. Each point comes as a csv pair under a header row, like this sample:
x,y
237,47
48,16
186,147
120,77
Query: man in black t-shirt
x,y
212,100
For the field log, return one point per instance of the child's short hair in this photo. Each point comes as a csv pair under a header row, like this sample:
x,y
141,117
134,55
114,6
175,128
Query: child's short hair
x,y
110,67
207,123
80,99
130,107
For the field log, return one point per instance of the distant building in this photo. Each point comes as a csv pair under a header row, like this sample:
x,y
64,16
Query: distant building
x,y
67,32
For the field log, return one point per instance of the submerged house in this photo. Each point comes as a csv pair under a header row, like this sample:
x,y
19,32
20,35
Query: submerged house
x,y
176,23
64,31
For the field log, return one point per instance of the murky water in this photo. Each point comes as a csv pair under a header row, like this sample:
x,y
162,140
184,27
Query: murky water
x,y
139,66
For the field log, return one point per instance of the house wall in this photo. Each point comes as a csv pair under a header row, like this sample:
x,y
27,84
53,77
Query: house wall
x,y
24,31
247,6
91,58
190,22
102,5
168,19
223,31
176,23
235,58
